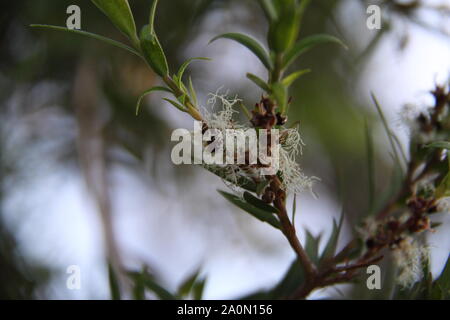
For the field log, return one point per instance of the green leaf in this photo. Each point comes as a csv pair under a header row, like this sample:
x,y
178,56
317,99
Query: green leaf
x,y
113,283
147,92
269,9
370,167
138,291
90,35
182,99
192,92
148,282
439,145
198,289
254,211
222,173
279,4
188,284
251,44
389,132
175,104
279,92
312,246
259,82
294,209
152,16
119,12
261,187
330,248
443,190
185,65
258,203
289,80
444,280
291,281
284,32
304,45
153,52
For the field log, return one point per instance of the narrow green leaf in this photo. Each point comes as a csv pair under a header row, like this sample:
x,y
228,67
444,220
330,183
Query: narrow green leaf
x,y
152,16
330,248
261,187
279,92
185,65
90,35
294,209
302,8
279,4
289,80
269,9
138,291
304,45
245,110
441,286
251,44
185,90
198,289
389,132
439,145
113,283
291,281
437,293
256,212
119,12
149,283
175,104
182,99
222,173
153,52
192,92
435,225
186,287
370,167
147,92
258,203
312,246
400,148
259,82
443,190
284,32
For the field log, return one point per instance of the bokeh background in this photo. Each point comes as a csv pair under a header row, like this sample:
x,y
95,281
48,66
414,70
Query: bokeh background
x,y
84,180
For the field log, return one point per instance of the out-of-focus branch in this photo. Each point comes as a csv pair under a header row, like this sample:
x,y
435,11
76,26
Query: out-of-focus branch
x,y
91,155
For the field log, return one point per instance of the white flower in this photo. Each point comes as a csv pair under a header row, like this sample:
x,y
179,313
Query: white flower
x,y
294,180
443,205
369,228
410,256
221,119
408,116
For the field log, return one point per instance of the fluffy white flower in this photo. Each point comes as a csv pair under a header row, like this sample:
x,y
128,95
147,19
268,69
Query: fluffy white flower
x,y
410,257
369,227
294,179
443,205
221,119
408,116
